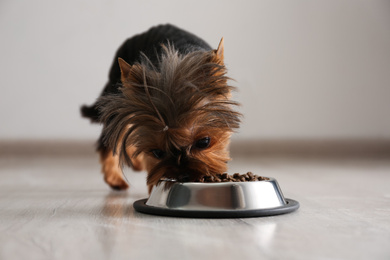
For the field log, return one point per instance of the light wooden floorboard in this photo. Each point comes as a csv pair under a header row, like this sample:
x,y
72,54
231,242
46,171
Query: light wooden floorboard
x,y
57,207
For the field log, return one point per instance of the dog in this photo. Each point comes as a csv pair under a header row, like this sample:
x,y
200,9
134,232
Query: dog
x,y
166,109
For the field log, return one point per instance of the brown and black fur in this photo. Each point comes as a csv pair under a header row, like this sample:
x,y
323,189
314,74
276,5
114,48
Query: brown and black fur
x,y
166,109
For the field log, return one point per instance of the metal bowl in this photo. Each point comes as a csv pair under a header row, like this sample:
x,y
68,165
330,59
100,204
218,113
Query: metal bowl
x,y
217,200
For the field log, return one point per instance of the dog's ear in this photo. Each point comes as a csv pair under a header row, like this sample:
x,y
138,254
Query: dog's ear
x,y
125,69
219,51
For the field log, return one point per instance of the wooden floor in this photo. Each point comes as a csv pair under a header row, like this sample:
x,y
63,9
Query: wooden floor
x,y
56,206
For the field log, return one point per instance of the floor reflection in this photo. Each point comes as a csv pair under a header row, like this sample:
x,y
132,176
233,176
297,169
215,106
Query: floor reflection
x,y
114,212
264,235
115,206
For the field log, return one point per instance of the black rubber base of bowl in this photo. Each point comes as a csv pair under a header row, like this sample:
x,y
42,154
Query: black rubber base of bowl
x,y
291,206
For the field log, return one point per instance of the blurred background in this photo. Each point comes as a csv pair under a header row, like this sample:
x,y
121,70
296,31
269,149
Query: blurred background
x,y
305,70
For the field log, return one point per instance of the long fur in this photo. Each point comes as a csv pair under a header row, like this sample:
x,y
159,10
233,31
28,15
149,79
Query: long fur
x,y
185,92
165,109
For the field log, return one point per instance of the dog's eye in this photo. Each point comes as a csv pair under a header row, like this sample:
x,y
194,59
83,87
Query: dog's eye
x,y
203,143
159,154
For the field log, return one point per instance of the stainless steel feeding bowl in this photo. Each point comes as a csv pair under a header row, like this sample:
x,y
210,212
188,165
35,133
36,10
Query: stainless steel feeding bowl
x,y
217,200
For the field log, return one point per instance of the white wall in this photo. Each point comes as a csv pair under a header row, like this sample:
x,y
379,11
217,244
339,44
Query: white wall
x,y
305,69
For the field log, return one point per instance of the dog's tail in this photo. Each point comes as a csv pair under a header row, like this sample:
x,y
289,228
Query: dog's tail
x,y
90,112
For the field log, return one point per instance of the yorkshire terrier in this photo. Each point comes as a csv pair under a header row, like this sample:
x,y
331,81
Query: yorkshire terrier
x,y
166,109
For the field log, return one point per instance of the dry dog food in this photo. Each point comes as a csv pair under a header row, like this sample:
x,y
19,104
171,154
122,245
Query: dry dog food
x,y
224,177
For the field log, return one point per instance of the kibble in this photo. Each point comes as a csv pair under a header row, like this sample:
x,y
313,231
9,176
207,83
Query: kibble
x,y
224,177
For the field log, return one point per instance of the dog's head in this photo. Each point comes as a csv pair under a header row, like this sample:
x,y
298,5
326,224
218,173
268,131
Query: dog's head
x,y
177,113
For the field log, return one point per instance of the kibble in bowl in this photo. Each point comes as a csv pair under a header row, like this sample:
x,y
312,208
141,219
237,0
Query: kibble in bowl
x,y
224,177
221,196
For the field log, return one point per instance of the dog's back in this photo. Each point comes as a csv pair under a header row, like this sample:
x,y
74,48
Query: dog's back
x,y
149,43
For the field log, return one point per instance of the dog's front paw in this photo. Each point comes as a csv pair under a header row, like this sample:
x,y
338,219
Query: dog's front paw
x,y
116,181
112,172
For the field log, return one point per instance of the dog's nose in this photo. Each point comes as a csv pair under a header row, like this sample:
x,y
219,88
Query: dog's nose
x,y
183,178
